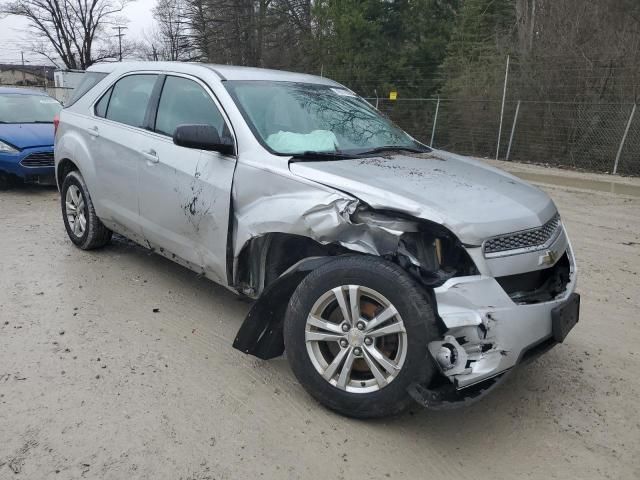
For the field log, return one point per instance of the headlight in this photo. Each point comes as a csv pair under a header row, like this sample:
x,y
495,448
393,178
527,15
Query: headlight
x,y
6,148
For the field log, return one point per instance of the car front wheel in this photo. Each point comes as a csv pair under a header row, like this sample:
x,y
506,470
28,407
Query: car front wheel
x,y
83,226
356,335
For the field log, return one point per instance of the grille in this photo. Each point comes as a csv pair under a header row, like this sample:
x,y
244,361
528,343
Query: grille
x,y
40,159
526,239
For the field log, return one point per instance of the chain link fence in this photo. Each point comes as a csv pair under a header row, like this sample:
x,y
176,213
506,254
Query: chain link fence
x,y
600,137
603,137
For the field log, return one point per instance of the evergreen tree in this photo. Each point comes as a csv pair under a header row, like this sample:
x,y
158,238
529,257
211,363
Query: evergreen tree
x,y
480,42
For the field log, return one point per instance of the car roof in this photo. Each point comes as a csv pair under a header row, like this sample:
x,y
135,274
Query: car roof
x,y
22,91
106,67
231,72
224,72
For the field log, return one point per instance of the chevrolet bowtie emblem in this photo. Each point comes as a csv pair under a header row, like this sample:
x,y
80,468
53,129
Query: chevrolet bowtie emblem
x,y
549,258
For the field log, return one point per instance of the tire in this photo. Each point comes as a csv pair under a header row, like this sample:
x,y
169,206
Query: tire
x,y
4,181
381,284
74,193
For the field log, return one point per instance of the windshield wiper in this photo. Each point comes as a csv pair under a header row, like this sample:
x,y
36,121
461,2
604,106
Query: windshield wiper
x,y
312,155
40,121
391,148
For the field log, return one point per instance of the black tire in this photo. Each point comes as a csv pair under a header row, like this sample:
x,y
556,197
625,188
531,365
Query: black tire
x,y
4,181
411,302
95,234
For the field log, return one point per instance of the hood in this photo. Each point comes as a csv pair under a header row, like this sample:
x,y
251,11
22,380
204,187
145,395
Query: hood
x,y
473,200
25,135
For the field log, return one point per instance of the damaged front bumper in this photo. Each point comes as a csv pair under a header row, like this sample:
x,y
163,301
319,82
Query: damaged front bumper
x,y
488,333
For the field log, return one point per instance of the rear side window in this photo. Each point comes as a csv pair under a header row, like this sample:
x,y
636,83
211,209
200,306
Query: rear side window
x,y
182,102
89,80
128,100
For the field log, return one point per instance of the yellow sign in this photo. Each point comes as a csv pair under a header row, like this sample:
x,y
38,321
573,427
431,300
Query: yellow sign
x,y
393,95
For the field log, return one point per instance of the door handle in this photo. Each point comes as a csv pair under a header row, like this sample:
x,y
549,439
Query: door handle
x,y
93,131
150,155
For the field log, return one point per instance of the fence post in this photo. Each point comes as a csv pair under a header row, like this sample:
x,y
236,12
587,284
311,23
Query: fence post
x,y
435,122
513,129
624,139
504,96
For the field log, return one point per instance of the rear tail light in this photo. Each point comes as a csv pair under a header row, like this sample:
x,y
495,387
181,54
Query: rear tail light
x,y
56,122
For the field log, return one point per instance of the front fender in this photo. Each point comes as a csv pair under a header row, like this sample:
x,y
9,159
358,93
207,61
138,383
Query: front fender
x,y
261,333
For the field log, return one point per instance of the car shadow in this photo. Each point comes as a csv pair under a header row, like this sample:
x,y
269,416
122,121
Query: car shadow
x,y
15,185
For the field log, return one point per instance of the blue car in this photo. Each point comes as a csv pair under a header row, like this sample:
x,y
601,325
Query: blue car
x,y
26,135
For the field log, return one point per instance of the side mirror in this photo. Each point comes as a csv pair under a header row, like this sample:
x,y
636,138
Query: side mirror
x,y
203,137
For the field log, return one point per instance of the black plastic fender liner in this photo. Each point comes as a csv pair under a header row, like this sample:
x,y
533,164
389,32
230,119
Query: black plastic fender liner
x,y
261,332
448,397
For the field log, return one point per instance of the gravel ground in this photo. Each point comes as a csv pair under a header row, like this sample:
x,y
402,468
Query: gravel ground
x,y
118,364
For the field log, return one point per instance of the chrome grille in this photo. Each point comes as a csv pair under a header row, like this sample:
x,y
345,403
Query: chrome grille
x,y
532,239
40,159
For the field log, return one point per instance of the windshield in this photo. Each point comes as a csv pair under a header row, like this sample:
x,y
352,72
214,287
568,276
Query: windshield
x,y
293,118
21,108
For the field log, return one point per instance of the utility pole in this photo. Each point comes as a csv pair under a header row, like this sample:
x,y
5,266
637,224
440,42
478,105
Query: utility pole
x,y
24,80
120,35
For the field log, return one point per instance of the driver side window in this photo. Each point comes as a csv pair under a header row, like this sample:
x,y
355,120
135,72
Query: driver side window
x,y
184,101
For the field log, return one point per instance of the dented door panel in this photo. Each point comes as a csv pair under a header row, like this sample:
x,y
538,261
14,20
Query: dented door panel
x,y
184,206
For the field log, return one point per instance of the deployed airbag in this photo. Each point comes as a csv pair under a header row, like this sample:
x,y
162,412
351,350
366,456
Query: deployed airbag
x,y
290,142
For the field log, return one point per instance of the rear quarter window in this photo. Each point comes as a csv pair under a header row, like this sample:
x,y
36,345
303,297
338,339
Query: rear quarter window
x,y
103,103
89,80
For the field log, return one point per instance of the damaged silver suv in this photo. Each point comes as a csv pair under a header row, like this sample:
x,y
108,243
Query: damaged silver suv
x,y
387,271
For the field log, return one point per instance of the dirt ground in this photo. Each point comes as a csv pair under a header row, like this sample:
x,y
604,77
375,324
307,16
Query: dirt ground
x,y
118,364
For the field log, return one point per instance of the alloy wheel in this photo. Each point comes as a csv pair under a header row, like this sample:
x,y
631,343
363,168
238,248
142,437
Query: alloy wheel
x,y
356,339
75,211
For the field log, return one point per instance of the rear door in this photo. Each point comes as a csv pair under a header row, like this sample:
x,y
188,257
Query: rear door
x,y
117,133
185,193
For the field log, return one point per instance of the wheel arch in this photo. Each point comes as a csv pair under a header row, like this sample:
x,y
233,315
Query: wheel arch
x,y
63,168
269,268
264,258
261,333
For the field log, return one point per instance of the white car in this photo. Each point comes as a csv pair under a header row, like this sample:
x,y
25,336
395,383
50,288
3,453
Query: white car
x,y
388,271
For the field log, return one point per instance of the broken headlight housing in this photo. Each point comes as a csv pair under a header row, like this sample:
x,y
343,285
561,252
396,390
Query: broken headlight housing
x,y
427,250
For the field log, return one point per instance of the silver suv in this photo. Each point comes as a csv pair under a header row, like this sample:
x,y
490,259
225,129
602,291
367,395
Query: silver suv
x,y
387,271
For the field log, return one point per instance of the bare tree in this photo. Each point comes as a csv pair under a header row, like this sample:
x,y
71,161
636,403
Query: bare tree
x,y
250,32
71,28
171,40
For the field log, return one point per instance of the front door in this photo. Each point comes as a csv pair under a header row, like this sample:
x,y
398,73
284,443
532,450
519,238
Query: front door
x,y
184,194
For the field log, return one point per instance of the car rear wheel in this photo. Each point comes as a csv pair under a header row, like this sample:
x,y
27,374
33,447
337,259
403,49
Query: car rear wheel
x,y
83,226
356,335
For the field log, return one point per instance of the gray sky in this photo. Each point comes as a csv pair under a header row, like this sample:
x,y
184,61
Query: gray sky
x,y
14,33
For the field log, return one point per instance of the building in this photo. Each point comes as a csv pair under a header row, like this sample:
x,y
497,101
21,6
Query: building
x,y
67,78
32,75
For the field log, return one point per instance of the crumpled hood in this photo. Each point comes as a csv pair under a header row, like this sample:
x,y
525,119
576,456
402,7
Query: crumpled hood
x,y
472,199
25,135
